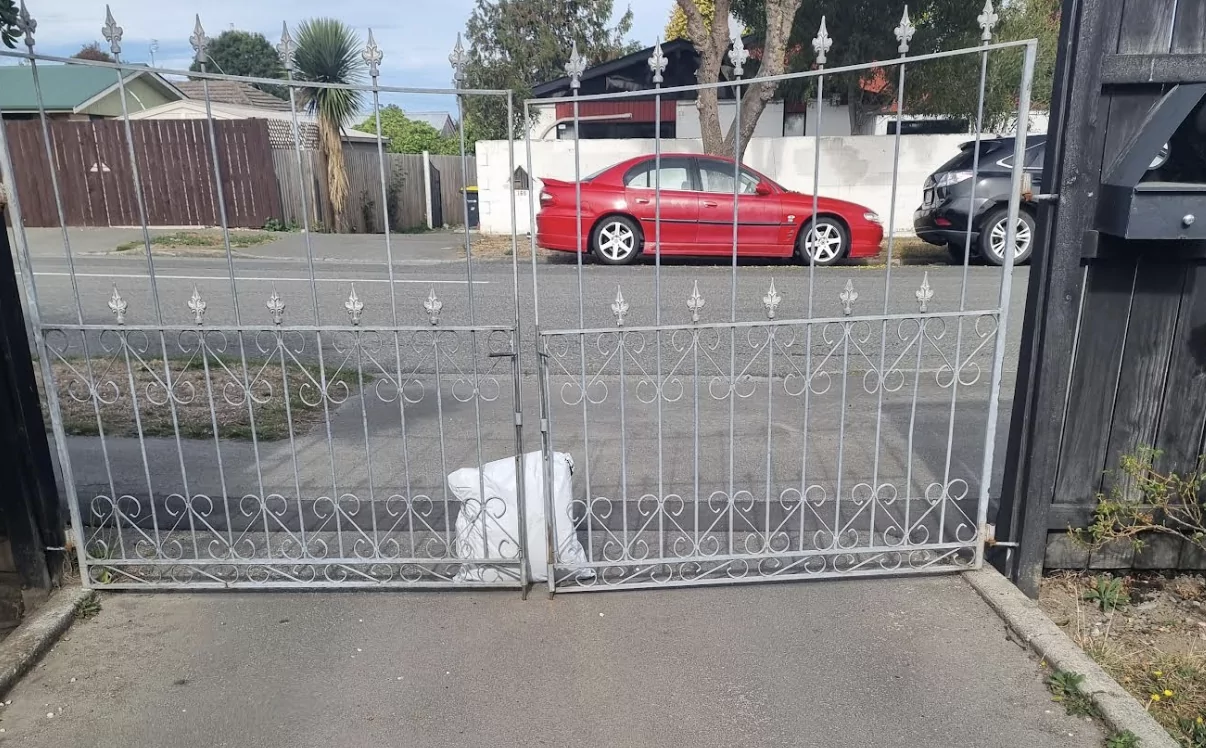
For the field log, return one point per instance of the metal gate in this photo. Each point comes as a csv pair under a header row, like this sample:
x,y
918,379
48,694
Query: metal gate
x,y
267,428
794,422
259,427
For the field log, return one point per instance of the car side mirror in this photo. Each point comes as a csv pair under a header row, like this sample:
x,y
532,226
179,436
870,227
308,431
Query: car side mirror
x,y
762,189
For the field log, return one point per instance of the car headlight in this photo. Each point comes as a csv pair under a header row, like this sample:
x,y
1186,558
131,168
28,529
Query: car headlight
x,y
951,178
1161,158
872,217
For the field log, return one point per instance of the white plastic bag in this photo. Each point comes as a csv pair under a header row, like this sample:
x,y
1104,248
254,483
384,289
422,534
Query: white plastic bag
x,y
489,529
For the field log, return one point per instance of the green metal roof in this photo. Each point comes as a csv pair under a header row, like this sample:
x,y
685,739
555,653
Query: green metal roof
x,y
64,87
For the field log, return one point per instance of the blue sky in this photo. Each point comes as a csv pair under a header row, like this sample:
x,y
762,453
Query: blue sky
x,y
414,35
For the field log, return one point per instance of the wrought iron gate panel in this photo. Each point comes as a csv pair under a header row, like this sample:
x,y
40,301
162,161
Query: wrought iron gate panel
x,y
773,440
274,432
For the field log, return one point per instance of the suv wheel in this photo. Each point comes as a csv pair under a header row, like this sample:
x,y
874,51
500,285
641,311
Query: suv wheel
x,y
993,234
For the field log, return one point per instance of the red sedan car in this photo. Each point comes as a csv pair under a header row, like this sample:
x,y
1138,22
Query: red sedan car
x,y
697,196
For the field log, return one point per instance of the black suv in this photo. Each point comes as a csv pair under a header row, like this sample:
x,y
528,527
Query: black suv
x,y
943,217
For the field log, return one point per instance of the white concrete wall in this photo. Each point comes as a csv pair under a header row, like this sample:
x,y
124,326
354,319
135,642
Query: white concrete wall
x,y
858,169
687,127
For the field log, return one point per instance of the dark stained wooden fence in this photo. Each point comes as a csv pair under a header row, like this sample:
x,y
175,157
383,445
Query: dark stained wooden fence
x,y
175,166
1113,355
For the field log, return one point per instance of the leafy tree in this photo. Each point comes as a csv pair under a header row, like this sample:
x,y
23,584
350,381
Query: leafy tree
x,y
8,23
676,27
93,51
516,44
236,52
773,20
410,136
862,31
951,86
328,51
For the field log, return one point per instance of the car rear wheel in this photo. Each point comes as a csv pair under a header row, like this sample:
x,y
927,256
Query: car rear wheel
x,y
616,241
995,232
826,243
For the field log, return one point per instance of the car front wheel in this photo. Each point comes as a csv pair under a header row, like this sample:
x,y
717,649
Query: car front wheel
x,y
616,240
995,232
824,243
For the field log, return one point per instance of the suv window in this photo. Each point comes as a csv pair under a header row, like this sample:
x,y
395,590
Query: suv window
x,y
717,176
675,174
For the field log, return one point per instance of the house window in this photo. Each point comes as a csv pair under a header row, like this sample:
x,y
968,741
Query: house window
x,y
519,180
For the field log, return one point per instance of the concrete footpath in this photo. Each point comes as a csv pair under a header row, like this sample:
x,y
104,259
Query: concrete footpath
x,y
860,663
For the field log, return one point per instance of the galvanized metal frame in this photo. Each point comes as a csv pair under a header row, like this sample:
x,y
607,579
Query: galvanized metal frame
x,y
282,533
667,544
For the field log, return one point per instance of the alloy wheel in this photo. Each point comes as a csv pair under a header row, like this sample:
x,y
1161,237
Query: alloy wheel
x,y
1022,239
824,243
616,241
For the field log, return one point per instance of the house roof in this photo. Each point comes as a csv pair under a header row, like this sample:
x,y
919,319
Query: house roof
x,y
641,57
280,124
233,92
441,121
64,87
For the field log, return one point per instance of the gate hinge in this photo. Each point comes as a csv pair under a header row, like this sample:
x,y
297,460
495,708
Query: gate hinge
x,y
544,425
502,354
518,418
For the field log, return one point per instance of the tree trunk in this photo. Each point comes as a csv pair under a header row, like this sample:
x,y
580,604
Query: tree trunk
x,y
856,108
711,41
779,17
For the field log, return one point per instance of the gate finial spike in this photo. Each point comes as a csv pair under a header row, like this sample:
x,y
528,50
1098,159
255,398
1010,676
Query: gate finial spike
x,y
27,25
372,56
925,293
575,67
112,33
657,63
118,305
457,59
199,41
276,307
848,297
695,302
354,306
738,56
619,307
988,21
904,32
197,306
285,48
822,42
771,300
433,306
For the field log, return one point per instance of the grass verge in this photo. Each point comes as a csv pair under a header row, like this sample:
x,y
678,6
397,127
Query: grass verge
x,y
199,402
201,240
1151,638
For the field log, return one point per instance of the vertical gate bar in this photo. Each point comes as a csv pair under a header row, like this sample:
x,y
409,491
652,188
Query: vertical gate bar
x,y
819,44
301,516
622,350
477,402
908,529
986,39
25,262
202,347
1015,199
733,304
286,52
883,330
372,57
546,418
525,557
575,68
287,56
220,192
657,63
140,202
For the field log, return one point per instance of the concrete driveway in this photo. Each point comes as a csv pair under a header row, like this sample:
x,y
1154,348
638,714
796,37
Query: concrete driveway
x,y
858,664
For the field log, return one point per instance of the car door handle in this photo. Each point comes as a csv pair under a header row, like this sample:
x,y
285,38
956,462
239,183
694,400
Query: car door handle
x,y
710,204
642,201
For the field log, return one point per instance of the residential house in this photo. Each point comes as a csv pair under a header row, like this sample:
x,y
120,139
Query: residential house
x,y
236,93
80,92
441,121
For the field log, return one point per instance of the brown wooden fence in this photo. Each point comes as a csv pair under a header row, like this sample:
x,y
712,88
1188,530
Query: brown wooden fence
x,y
175,167
405,191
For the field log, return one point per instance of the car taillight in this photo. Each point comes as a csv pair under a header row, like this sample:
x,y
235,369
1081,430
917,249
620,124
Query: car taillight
x,y
546,199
